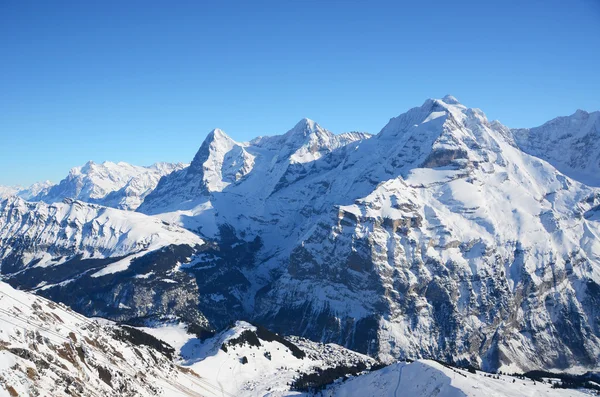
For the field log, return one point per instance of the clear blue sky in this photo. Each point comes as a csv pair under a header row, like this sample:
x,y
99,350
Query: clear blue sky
x,y
145,81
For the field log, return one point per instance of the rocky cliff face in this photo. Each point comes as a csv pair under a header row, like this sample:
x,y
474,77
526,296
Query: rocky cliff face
x,y
438,237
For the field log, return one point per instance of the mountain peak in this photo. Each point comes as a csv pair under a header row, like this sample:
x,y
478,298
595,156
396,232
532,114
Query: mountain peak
x,y
305,127
450,100
217,133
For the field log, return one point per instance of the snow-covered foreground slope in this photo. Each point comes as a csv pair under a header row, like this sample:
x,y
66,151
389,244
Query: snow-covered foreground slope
x,y
245,361
425,378
119,185
48,350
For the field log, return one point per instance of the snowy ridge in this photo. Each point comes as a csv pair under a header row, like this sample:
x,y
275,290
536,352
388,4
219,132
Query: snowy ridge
x,y
119,185
27,193
40,234
241,362
222,163
46,350
571,144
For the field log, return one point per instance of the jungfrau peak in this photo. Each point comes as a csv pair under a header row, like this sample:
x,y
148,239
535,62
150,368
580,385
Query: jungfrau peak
x,y
443,236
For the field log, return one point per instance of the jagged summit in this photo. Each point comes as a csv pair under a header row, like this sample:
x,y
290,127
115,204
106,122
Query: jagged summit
x,y
305,127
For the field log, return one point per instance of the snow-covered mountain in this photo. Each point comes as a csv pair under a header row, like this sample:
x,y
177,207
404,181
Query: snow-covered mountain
x,y
27,193
436,238
223,163
7,191
571,144
48,350
119,185
105,262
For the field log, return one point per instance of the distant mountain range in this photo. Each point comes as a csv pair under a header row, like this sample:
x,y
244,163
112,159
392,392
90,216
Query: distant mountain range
x,y
444,236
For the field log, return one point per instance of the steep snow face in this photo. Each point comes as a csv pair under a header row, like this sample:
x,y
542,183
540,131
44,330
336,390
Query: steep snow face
x,y
571,144
119,185
48,350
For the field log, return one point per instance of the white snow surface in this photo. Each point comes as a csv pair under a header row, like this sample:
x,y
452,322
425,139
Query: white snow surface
x,y
260,376
424,378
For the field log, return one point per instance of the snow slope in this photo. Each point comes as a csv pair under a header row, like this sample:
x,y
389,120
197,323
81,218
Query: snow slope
x,y
270,366
48,350
426,378
438,237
